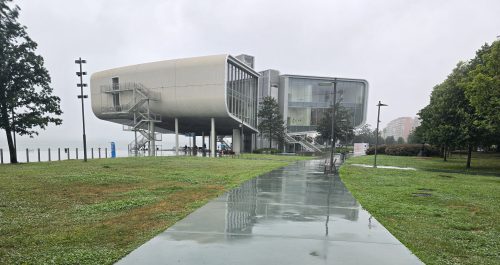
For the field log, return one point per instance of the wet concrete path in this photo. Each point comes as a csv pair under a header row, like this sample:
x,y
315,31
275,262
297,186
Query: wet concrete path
x,y
294,215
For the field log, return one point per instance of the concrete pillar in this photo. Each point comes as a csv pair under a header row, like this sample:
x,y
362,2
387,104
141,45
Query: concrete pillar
x,y
203,143
254,142
176,137
236,141
152,143
213,143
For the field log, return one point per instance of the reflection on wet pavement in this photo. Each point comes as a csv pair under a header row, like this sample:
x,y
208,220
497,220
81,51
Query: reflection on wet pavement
x,y
294,215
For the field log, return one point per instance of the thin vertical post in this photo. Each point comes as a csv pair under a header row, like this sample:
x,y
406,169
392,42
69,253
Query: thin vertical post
x,y
92,152
376,137
176,137
38,151
59,153
27,156
106,152
213,144
76,153
376,140
68,153
333,124
99,149
49,154
1,155
82,97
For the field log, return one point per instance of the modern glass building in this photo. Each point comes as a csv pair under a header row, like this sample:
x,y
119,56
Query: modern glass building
x,y
305,102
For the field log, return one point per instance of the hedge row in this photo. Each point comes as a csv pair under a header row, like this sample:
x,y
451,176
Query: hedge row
x,y
266,151
404,150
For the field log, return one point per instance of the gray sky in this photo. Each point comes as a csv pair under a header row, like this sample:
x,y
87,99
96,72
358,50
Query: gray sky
x,y
403,48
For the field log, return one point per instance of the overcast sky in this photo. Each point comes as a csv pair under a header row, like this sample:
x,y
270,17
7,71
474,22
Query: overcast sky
x,y
403,48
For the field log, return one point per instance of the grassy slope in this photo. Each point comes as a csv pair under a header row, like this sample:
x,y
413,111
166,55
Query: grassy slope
x,y
94,213
458,224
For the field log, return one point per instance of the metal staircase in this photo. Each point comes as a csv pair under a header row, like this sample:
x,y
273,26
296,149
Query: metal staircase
x,y
302,141
138,111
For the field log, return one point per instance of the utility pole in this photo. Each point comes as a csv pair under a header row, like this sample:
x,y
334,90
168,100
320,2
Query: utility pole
x,y
81,85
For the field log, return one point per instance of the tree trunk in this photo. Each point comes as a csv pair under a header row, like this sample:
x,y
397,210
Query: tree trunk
x,y
270,139
445,153
469,155
12,148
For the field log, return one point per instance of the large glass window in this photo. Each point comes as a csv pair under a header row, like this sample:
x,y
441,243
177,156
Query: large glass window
x,y
242,94
308,102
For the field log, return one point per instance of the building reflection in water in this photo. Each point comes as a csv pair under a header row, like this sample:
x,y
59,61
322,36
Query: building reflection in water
x,y
296,194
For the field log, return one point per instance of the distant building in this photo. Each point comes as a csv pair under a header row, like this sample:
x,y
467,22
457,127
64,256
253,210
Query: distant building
x,y
400,127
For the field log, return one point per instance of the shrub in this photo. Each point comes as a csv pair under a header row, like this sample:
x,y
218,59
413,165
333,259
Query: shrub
x,y
380,150
404,150
266,151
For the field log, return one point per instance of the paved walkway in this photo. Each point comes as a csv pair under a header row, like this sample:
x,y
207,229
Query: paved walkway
x,y
294,215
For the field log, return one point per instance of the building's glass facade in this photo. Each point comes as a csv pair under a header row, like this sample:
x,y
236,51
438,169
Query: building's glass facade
x,y
308,101
242,93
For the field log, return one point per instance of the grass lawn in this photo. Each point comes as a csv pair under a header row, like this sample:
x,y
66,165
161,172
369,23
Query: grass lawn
x,y
442,212
70,212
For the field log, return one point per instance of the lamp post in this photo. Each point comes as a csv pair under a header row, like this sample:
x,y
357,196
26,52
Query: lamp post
x,y
332,151
376,140
81,85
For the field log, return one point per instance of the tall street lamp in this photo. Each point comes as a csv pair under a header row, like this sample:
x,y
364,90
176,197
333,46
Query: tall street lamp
x,y
380,104
81,85
334,84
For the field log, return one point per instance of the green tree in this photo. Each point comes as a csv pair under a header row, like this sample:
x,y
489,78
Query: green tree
x,y
449,119
343,126
271,123
390,140
416,136
24,82
363,134
400,140
482,89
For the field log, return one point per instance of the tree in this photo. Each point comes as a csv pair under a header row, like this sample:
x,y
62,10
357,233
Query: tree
x,y
482,89
390,140
271,123
415,136
343,126
364,134
400,140
24,82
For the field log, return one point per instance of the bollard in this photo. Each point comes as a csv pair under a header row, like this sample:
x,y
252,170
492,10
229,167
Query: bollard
x,y
92,152
1,155
49,154
38,154
59,153
76,153
99,149
27,156
106,152
67,152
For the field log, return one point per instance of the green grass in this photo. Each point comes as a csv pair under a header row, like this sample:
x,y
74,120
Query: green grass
x,y
70,212
457,224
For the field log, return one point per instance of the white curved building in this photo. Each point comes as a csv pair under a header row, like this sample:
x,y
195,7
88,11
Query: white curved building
x,y
202,95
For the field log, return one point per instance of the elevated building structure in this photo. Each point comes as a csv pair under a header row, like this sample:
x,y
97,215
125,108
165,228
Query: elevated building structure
x,y
218,96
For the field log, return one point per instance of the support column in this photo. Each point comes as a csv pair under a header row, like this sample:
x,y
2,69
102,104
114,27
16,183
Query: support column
x,y
254,142
152,144
176,137
236,141
213,143
203,146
